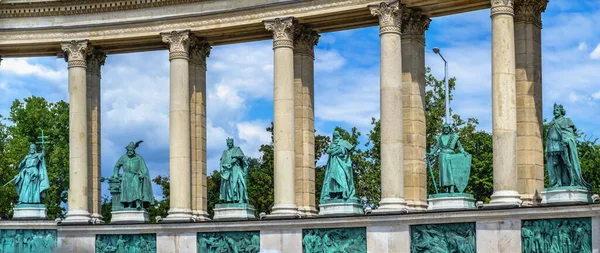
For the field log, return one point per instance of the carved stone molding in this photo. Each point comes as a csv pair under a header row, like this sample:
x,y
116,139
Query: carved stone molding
x,y
95,60
199,51
414,24
502,7
76,52
305,39
530,11
283,31
390,16
179,44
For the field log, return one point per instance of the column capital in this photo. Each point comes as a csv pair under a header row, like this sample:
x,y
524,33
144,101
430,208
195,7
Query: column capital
x,y
390,16
179,42
76,52
502,7
95,59
199,50
414,24
530,11
305,39
283,31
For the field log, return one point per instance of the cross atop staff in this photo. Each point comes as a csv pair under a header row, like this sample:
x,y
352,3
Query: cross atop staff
x,y
43,138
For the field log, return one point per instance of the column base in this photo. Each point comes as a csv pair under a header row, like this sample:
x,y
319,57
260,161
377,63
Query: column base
x,y
505,199
200,216
178,215
74,217
97,218
416,206
391,205
284,211
531,199
307,211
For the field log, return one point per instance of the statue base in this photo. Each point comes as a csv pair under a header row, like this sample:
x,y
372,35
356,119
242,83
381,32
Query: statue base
x,y
130,217
451,201
566,195
341,207
30,212
234,211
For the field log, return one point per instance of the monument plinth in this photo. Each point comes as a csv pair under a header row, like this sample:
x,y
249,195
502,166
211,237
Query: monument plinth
x,y
30,212
340,207
234,211
566,195
447,201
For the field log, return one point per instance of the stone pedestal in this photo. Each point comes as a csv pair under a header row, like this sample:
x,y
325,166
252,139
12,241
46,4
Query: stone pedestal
x,y
341,208
234,211
130,217
566,195
447,201
30,212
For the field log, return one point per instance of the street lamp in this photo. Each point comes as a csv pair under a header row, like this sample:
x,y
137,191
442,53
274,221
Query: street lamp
x,y
437,51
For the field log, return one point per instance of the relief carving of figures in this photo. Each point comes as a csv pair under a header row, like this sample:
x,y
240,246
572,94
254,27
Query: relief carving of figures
x,y
141,243
238,242
27,241
443,238
557,236
337,240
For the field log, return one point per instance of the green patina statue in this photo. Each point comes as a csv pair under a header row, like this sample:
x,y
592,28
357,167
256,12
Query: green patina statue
x,y
32,180
339,179
455,169
562,161
234,170
134,188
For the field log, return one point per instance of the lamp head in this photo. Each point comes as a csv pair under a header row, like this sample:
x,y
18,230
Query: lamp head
x,y
436,50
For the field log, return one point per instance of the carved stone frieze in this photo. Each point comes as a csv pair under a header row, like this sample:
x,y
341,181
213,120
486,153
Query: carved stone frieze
x,y
305,39
95,60
76,52
390,16
283,31
502,7
530,11
179,44
414,24
199,50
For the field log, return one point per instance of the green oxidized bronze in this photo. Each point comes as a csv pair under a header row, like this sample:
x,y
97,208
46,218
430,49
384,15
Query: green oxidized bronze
x,y
455,169
32,180
557,236
132,189
234,170
27,240
334,240
562,160
443,238
240,242
140,243
339,179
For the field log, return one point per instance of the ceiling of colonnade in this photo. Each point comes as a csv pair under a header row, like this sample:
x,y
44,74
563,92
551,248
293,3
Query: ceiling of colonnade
x,y
36,28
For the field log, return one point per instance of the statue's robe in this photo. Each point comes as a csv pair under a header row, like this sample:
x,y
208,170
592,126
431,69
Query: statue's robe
x,y
32,180
135,182
564,168
234,169
446,144
339,179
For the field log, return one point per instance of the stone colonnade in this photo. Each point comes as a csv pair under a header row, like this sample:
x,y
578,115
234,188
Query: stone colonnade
x,y
516,106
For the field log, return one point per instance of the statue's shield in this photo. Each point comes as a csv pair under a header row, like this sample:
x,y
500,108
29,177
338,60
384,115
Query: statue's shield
x,y
461,170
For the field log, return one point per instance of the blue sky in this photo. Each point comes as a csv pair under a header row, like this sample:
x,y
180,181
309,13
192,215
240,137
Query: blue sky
x,y
135,86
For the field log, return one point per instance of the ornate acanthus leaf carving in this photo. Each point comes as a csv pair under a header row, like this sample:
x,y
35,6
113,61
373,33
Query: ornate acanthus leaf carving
x,y
179,42
199,50
530,11
415,22
95,60
390,16
305,39
283,31
502,7
76,52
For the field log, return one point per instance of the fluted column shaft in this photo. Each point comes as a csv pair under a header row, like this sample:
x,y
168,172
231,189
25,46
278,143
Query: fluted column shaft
x,y
179,127
392,154
283,116
78,211
305,39
414,25
528,55
199,51
504,100
95,60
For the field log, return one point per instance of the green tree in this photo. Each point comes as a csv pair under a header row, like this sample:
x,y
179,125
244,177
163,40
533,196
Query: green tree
x,y
161,207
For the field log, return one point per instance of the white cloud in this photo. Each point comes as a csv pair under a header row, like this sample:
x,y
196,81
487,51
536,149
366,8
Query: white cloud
x,y
596,53
23,67
583,46
328,60
596,95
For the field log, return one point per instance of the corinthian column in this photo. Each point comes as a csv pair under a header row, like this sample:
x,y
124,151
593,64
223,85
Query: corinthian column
x,y
305,40
392,154
414,25
179,127
76,53
528,50
199,50
504,100
95,60
283,116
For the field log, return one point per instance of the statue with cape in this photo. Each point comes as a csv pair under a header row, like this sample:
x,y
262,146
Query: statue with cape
x,y
234,171
339,178
32,180
135,187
